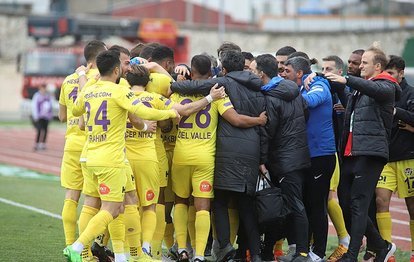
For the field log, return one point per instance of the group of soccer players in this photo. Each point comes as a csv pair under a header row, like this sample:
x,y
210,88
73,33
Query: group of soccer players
x,y
145,158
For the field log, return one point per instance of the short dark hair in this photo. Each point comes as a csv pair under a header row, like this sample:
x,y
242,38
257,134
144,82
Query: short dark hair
x,y
232,61
299,63
268,64
379,57
286,50
120,49
312,61
396,62
147,50
339,63
249,56
162,52
201,64
227,46
106,62
92,49
358,52
138,76
136,50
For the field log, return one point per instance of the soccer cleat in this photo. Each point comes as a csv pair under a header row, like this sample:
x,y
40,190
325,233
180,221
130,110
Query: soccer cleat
x,y
338,253
392,259
300,258
384,254
183,256
100,253
72,255
278,253
289,255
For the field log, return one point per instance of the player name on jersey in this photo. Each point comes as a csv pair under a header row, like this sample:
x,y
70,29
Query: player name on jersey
x,y
193,135
97,138
138,134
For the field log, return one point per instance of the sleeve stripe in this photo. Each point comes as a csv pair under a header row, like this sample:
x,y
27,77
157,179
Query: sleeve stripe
x,y
135,102
317,89
168,102
228,104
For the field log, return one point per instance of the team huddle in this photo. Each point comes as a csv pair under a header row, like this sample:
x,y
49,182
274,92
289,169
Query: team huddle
x,y
171,155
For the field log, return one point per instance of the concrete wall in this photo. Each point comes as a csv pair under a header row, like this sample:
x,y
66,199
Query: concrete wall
x,y
13,35
317,45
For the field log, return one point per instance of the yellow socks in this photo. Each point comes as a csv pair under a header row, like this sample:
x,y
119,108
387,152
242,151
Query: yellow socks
x,y
384,225
149,222
202,227
133,230
180,219
234,224
117,231
69,217
191,224
335,213
95,227
87,213
169,235
156,249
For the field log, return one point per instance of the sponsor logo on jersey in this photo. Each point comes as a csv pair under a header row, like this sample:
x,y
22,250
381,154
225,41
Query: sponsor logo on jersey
x,y
104,189
408,171
150,195
205,186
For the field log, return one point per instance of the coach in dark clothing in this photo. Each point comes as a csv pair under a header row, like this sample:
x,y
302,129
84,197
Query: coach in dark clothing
x,y
239,152
364,149
288,151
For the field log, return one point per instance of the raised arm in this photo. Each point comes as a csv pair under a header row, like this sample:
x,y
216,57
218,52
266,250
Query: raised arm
x,y
196,87
243,121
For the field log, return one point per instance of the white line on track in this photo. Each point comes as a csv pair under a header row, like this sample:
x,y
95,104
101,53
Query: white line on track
x,y
31,208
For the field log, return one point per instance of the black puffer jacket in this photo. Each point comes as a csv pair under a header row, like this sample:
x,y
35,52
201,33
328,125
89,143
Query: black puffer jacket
x,y
402,141
238,151
373,104
286,127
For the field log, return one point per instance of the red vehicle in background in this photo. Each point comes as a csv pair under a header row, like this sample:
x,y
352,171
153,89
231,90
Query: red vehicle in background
x,y
51,64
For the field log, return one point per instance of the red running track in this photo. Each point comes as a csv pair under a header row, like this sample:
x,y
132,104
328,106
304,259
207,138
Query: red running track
x,y
16,148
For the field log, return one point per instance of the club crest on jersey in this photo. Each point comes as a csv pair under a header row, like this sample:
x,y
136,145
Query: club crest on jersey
x,y
104,189
205,186
408,171
150,195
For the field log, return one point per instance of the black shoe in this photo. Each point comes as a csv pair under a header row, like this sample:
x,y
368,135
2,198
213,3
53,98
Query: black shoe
x,y
346,258
225,254
207,251
268,256
100,252
384,254
183,256
368,255
240,256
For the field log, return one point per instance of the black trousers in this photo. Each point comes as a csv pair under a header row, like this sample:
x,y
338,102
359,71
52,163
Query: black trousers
x,y
292,185
317,183
359,177
247,217
41,127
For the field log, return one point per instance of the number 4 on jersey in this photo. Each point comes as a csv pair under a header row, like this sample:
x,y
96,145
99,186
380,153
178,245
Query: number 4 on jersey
x,y
101,118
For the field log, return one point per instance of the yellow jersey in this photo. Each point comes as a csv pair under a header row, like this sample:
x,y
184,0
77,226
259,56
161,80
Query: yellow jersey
x,y
106,105
169,135
74,138
196,136
159,83
139,144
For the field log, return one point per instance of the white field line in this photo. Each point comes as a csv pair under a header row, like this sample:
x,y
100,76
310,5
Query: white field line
x,y
31,208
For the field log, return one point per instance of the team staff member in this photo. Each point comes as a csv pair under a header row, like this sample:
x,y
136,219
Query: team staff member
x,y
398,172
106,105
71,172
364,149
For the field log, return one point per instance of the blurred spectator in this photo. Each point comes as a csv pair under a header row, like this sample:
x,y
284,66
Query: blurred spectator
x,y
41,114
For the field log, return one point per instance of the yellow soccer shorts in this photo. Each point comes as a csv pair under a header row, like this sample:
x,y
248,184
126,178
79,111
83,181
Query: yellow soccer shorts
x,y
146,181
398,176
71,172
106,183
130,182
335,176
168,192
163,170
195,180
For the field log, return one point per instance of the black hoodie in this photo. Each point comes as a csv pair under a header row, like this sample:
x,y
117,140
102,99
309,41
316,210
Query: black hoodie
x,y
238,151
286,128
